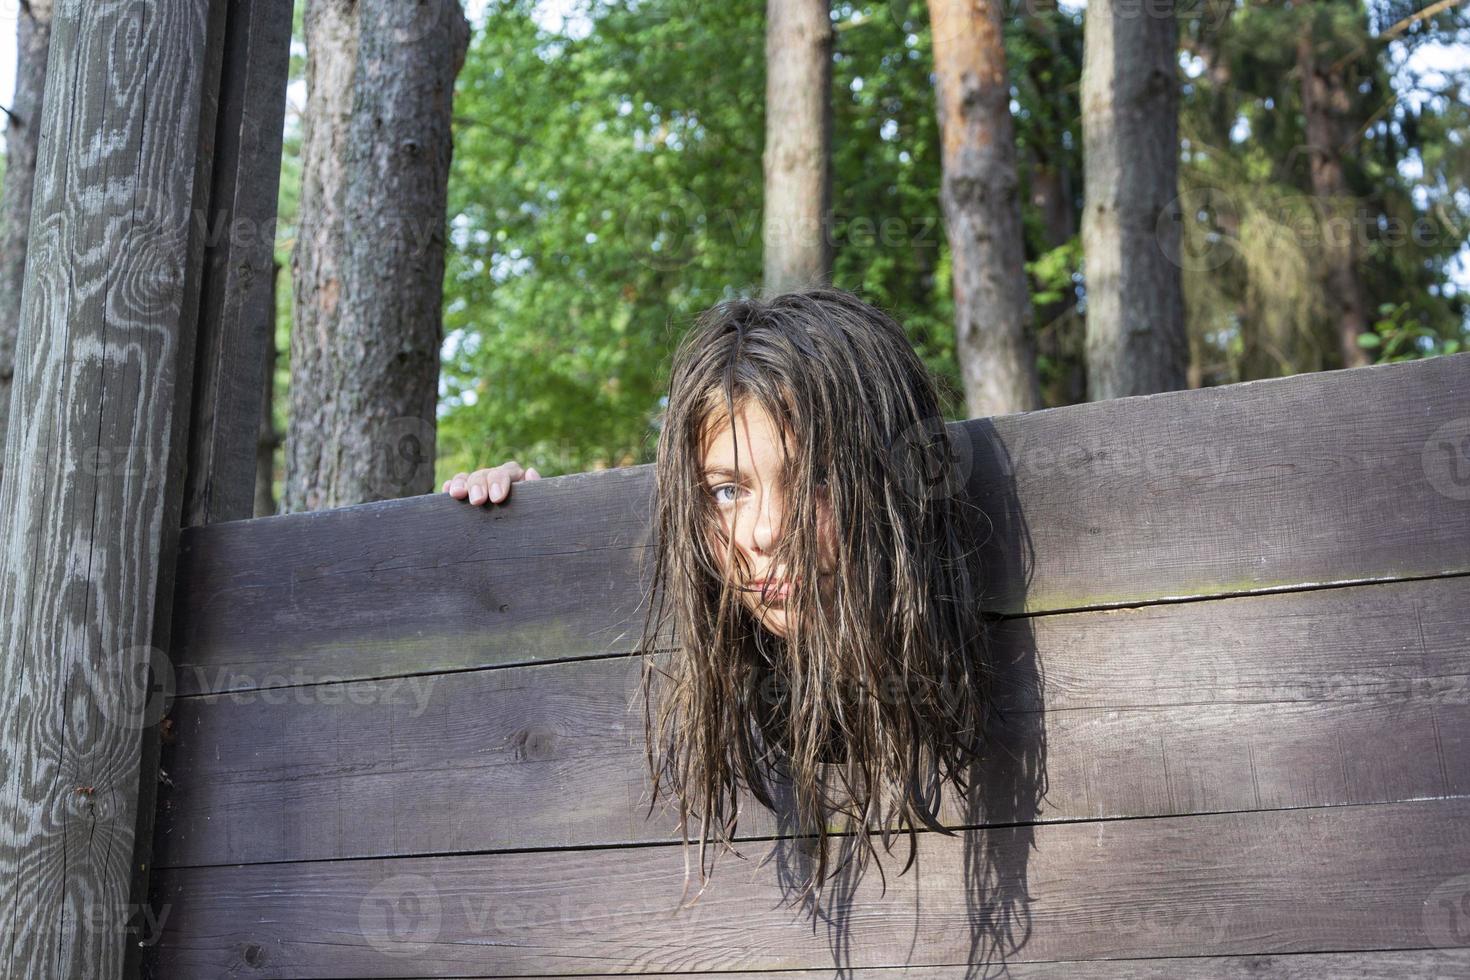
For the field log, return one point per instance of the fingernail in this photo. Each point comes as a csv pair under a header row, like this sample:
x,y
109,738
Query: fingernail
x,y
476,495
494,491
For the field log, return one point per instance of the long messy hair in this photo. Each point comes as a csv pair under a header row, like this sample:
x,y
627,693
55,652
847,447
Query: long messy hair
x,y
866,705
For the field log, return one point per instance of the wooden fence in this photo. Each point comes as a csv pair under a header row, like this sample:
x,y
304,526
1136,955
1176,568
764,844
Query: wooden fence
x,y
403,741
139,371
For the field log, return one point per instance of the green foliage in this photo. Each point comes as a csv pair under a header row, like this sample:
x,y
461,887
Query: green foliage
x,y
1257,240
1401,334
607,186
604,189
287,210
1053,271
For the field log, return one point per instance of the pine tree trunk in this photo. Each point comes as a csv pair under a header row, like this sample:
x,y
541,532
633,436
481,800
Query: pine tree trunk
x,y
1058,325
795,232
22,133
1058,336
1136,341
980,195
1325,100
369,260
268,438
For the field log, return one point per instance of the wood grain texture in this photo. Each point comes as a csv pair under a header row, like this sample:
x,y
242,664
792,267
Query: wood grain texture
x,y
1276,882
94,457
237,310
1358,694
1338,477
1422,964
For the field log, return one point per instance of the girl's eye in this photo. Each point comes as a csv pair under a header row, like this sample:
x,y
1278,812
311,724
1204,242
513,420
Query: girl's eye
x,y
715,492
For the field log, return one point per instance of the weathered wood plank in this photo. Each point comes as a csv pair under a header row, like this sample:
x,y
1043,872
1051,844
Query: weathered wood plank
x,y
237,311
91,499
1338,477
1377,877
1357,694
415,584
1422,964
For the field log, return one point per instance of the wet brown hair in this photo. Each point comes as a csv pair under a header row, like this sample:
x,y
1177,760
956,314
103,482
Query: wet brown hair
x,y
867,704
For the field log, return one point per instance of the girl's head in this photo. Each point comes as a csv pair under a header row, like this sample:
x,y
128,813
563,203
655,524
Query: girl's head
x,y
801,444
746,463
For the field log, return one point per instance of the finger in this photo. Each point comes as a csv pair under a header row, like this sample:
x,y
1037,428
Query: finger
x,y
502,477
457,486
478,487
481,482
531,474
496,482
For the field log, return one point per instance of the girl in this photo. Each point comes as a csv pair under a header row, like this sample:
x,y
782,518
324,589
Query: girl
x,y
815,549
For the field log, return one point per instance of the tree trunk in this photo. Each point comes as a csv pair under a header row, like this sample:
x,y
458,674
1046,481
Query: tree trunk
x,y
22,132
1058,326
1051,195
369,261
269,438
1325,101
1058,336
1136,341
797,159
980,196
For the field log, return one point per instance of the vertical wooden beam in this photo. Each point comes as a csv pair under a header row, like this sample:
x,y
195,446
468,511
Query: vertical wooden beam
x,y
93,482
237,303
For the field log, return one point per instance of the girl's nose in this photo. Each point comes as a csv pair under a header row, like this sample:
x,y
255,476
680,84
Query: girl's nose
x,y
767,522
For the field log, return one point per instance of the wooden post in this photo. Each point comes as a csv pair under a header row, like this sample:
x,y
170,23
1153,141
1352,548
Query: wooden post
x,y
237,303
95,457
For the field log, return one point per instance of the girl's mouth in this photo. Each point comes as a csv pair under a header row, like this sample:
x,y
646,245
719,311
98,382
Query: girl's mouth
x,y
774,593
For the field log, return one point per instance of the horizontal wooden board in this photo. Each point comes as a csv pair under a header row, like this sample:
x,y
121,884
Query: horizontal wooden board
x,y
1375,877
1336,477
1356,694
1421,964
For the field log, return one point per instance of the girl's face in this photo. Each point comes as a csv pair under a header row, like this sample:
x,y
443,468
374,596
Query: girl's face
x,y
750,506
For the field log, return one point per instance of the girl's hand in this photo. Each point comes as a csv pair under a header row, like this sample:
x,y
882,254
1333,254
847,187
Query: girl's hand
x,y
489,484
